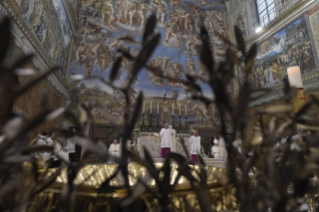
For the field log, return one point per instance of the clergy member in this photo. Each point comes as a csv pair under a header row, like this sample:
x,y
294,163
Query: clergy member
x,y
222,150
166,140
173,140
215,149
71,147
195,146
114,149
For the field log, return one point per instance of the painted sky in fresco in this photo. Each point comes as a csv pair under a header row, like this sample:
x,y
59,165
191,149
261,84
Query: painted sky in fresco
x,y
179,21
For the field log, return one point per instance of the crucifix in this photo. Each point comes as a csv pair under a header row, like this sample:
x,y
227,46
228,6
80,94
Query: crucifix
x,y
303,97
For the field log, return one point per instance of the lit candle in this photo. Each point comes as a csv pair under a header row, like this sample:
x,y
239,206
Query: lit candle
x,y
294,77
157,108
179,108
151,108
173,108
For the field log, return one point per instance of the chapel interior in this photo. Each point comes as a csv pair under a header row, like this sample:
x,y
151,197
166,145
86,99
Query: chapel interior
x,y
82,40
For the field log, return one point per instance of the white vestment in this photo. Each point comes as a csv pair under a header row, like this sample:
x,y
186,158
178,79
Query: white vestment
x,y
222,150
114,150
173,140
195,145
50,143
166,138
42,141
215,149
59,151
70,146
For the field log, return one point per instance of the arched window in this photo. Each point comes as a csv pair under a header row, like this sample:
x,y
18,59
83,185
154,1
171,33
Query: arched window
x,y
266,11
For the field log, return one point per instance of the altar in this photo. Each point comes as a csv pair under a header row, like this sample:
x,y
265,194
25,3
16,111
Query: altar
x,y
153,144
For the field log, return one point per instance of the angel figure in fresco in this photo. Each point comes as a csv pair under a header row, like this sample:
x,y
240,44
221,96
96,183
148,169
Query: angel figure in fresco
x,y
108,15
142,12
80,52
191,70
188,22
161,13
174,71
191,45
105,58
171,31
95,52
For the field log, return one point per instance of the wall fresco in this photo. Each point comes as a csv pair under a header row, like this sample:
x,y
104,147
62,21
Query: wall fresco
x,y
179,21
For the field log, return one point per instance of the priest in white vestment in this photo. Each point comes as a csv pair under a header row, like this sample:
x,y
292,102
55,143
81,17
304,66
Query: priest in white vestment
x,y
215,149
173,139
194,142
114,149
222,149
59,150
42,141
165,134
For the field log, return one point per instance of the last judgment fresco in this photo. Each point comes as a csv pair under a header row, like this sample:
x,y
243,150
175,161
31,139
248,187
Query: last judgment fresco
x,y
178,22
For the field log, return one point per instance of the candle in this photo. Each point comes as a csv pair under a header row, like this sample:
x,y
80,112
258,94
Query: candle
x,y
173,108
179,108
144,107
151,108
157,108
294,77
185,111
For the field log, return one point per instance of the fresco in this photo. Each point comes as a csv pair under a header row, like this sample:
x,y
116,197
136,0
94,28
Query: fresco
x,y
291,46
95,44
313,15
48,21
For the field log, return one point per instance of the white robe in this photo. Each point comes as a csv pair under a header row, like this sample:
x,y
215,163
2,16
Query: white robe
x,y
222,150
195,145
70,146
50,143
166,138
114,150
215,151
42,141
173,140
58,150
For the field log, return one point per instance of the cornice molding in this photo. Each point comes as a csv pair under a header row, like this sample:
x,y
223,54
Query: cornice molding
x,y
7,5
30,45
73,19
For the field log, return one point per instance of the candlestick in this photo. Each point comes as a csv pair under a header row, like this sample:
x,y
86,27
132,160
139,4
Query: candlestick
x,y
151,108
157,108
186,121
173,108
143,119
173,121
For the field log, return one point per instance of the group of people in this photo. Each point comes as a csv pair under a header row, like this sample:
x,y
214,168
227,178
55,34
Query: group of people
x,y
60,153
218,149
168,142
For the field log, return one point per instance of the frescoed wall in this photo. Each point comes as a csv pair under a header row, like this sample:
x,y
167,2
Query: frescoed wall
x,y
47,20
290,46
30,102
179,21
